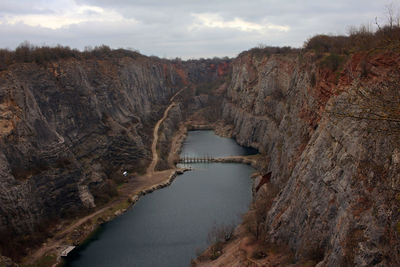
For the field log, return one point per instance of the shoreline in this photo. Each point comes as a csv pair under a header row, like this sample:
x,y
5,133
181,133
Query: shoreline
x,y
91,222
167,182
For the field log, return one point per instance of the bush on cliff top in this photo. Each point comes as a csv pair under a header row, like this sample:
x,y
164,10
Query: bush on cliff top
x,y
359,39
270,50
27,53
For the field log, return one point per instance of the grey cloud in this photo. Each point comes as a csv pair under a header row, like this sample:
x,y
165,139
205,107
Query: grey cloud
x,y
249,9
22,7
162,26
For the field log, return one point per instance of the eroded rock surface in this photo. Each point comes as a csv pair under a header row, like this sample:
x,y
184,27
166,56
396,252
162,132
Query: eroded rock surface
x,y
332,141
330,138
69,127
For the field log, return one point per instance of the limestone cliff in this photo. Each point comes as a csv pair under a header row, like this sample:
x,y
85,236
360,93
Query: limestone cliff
x,y
330,136
70,126
332,142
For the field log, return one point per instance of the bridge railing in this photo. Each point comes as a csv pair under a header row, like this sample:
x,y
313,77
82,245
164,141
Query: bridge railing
x,y
193,159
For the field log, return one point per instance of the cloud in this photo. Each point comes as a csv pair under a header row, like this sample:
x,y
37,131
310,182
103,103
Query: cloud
x,y
184,28
61,17
216,21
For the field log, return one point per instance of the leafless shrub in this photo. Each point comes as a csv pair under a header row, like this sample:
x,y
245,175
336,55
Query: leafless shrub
x,y
217,236
28,53
325,43
254,220
270,50
220,233
359,38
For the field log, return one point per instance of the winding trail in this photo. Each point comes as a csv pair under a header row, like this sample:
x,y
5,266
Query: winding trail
x,y
152,166
154,161
58,242
150,179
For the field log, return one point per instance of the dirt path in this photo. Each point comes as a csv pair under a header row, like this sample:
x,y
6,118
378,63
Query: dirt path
x,y
154,152
58,241
150,179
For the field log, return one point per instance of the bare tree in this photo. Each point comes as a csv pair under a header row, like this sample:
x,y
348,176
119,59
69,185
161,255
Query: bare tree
x,y
392,15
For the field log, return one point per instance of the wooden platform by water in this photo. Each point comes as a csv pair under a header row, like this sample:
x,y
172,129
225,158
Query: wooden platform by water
x,y
66,251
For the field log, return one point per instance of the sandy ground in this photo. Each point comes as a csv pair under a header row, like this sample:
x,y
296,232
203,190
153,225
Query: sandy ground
x,y
240,252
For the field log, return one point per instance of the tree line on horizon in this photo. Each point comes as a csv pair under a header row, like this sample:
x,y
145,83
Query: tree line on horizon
x,y
362,38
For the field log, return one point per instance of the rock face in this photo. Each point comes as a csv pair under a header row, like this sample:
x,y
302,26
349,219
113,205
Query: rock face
x,y
201,98
70,127
332,141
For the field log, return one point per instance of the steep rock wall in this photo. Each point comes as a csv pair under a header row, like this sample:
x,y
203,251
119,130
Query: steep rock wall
x,y
201,99
70,126
331,138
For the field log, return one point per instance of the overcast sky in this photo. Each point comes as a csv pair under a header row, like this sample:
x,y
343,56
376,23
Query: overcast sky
x,y
180,28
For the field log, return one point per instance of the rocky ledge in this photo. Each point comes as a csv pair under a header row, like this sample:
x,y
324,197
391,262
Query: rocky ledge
x,y
331,138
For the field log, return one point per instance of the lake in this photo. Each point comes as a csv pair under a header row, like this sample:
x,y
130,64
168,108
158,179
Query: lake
x,y
168,226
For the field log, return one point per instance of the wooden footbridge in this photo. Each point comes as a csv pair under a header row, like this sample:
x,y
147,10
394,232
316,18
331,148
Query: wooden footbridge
x,y
210,159
191,159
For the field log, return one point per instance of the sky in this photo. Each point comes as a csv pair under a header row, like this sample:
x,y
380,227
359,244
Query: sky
x,y
181,28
